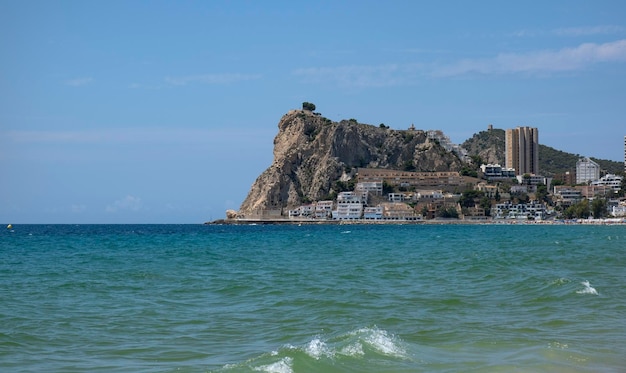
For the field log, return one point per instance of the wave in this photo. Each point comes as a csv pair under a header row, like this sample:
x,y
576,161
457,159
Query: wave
x,y
325,353
588,289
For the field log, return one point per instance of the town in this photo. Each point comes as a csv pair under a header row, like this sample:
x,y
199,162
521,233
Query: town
x,y
515,192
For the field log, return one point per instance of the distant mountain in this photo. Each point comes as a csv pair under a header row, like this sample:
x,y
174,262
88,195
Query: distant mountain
x,y
490,147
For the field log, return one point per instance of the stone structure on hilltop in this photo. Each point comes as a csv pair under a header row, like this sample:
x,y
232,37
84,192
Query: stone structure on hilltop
x,y
313,155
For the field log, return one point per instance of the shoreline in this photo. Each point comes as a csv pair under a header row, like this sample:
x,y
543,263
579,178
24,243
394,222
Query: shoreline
x,y
243,221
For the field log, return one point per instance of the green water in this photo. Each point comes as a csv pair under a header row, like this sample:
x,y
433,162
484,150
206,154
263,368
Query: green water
x,y
413,298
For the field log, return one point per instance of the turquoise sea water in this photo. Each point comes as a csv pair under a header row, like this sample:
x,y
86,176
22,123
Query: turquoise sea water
x,y
392,298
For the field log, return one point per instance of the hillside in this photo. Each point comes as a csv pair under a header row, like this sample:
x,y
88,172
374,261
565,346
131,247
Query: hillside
x,y
489,146
315,157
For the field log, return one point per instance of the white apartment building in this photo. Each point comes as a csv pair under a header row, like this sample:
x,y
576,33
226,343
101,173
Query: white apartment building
x,y
567,196
395,197
495,171
323,209
507,210
373,213
373,187
303,211
609,180
349,206
586,170
429,195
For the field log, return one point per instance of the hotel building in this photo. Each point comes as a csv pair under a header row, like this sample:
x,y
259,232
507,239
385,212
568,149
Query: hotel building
x,y
586,170
522,150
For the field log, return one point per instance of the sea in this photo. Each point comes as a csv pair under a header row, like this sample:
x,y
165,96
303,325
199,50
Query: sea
x,y
313,298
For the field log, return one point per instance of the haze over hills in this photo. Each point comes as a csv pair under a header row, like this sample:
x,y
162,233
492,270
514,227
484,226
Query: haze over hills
x,y
316,158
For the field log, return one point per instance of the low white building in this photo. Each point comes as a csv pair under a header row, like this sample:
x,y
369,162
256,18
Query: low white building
x,y
373,213
372,187
429,195
303,211
495,171
349,205
567,196
609,180
533,210
395,197
618,211
323,209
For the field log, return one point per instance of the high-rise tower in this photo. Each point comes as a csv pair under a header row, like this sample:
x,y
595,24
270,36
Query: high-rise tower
x,y
522,150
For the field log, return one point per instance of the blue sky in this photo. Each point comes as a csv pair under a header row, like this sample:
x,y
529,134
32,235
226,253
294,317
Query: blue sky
x,y
165,111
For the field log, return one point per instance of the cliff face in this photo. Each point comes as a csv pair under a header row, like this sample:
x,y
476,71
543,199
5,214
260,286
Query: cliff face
x,y
312,153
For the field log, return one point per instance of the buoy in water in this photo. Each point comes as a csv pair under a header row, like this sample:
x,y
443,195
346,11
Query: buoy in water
x,y
9,226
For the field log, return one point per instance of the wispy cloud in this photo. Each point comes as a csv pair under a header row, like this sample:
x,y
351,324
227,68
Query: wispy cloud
x,y
79,82
531,63
572,31
144,86
539,62
361,76
590,30
128,203
226,78
116,136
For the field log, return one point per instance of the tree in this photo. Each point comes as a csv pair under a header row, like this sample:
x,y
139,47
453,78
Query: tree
x,y
485,203
469,198
387,188
447,212
579,210
408,165
542,193
309,106
598,208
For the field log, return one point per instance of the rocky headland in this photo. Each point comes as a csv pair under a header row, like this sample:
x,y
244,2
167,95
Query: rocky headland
x,y
314,157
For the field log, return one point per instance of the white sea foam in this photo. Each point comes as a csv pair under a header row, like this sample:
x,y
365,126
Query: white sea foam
x,y
281,366
384,343
317,349
381,341
355,349
354,344
588,289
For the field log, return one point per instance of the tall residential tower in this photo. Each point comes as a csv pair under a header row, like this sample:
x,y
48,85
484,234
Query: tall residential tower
x,y
522,150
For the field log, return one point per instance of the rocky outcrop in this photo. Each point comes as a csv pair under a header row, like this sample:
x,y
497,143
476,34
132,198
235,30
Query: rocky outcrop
x,y
313,155
488,145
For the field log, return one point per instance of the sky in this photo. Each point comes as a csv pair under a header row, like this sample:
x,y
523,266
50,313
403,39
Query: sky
x,y
166,111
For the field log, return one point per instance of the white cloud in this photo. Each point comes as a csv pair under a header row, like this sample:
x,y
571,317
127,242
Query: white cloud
x,y
534,62
128,203
225,78
78,82
546,61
